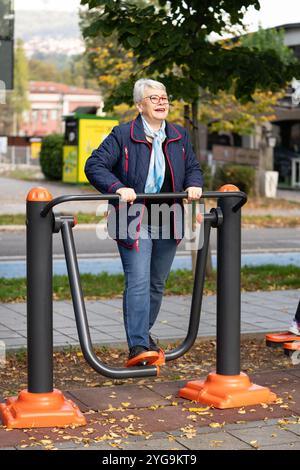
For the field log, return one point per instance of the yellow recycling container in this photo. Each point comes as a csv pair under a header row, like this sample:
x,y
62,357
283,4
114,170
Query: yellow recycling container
x,y
83,134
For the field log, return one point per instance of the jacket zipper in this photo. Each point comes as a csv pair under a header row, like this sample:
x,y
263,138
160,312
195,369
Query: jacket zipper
x,y
183,153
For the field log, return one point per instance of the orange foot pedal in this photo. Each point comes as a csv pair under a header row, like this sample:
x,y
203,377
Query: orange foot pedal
x,y
147,358
293,351
161,359
276,340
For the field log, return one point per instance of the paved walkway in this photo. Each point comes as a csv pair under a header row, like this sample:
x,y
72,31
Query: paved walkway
x,y
13,195
261,312
290,195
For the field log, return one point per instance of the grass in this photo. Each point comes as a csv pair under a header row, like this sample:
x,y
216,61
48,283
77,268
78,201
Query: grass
x,y
271,203
262,203
19,219
269,221
12,219
25,174
180,282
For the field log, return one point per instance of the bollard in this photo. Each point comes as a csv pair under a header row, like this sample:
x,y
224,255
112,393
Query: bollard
x,y
228,387
40,405
229,289
39,293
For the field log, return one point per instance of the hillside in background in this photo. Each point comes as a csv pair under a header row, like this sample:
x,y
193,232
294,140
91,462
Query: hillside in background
x,y
46,24
49,34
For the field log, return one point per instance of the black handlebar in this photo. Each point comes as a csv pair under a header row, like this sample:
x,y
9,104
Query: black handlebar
x,y
110,197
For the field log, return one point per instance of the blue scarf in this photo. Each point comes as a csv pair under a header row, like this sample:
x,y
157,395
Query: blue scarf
x,y
157,167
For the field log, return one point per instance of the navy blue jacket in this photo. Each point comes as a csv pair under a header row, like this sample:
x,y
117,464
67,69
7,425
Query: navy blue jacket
x,y
122,160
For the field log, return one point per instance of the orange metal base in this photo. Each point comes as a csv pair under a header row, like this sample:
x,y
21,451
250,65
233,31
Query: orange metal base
x,y
227,391
40,410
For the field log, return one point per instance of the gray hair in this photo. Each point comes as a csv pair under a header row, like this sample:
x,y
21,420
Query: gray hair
x,y
141,84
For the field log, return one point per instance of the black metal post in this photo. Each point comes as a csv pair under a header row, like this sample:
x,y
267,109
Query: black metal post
x,y
39,298
229,288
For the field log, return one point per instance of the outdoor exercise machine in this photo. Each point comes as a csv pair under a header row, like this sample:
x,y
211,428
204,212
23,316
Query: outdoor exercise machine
x,y
289,342
41,405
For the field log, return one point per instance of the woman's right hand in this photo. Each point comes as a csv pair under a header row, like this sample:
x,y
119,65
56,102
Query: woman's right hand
x,y
127,194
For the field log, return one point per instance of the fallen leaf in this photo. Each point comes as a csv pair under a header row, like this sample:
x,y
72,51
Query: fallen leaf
x,y
45,442
254,444
216,425
215,443
196,410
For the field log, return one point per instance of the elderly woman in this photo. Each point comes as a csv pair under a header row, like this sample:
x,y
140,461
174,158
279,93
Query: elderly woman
x,y
147,155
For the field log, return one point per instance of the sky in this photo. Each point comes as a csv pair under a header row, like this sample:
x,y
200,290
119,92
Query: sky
x,y
58,5
272,12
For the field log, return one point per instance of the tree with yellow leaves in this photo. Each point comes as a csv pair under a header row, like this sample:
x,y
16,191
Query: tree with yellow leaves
x,y
224,112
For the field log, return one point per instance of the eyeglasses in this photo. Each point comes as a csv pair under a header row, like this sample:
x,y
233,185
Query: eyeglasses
x,y
155,99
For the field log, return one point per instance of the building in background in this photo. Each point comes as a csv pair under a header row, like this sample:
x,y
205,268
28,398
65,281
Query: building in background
x,y
286,126
50,101
275,146
6,45
292,37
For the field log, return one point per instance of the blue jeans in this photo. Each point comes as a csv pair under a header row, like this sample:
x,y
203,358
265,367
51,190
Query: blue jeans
x,y
146,272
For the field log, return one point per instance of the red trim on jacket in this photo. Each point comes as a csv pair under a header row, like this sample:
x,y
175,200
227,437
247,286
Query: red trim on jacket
x,y
126,158
136,140
112,185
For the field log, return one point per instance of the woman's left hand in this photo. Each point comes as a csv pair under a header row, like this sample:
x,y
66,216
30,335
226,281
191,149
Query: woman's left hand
x,y
194,193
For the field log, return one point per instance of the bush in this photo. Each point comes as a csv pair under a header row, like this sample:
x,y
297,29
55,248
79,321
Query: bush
x,y
51,157
240,175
